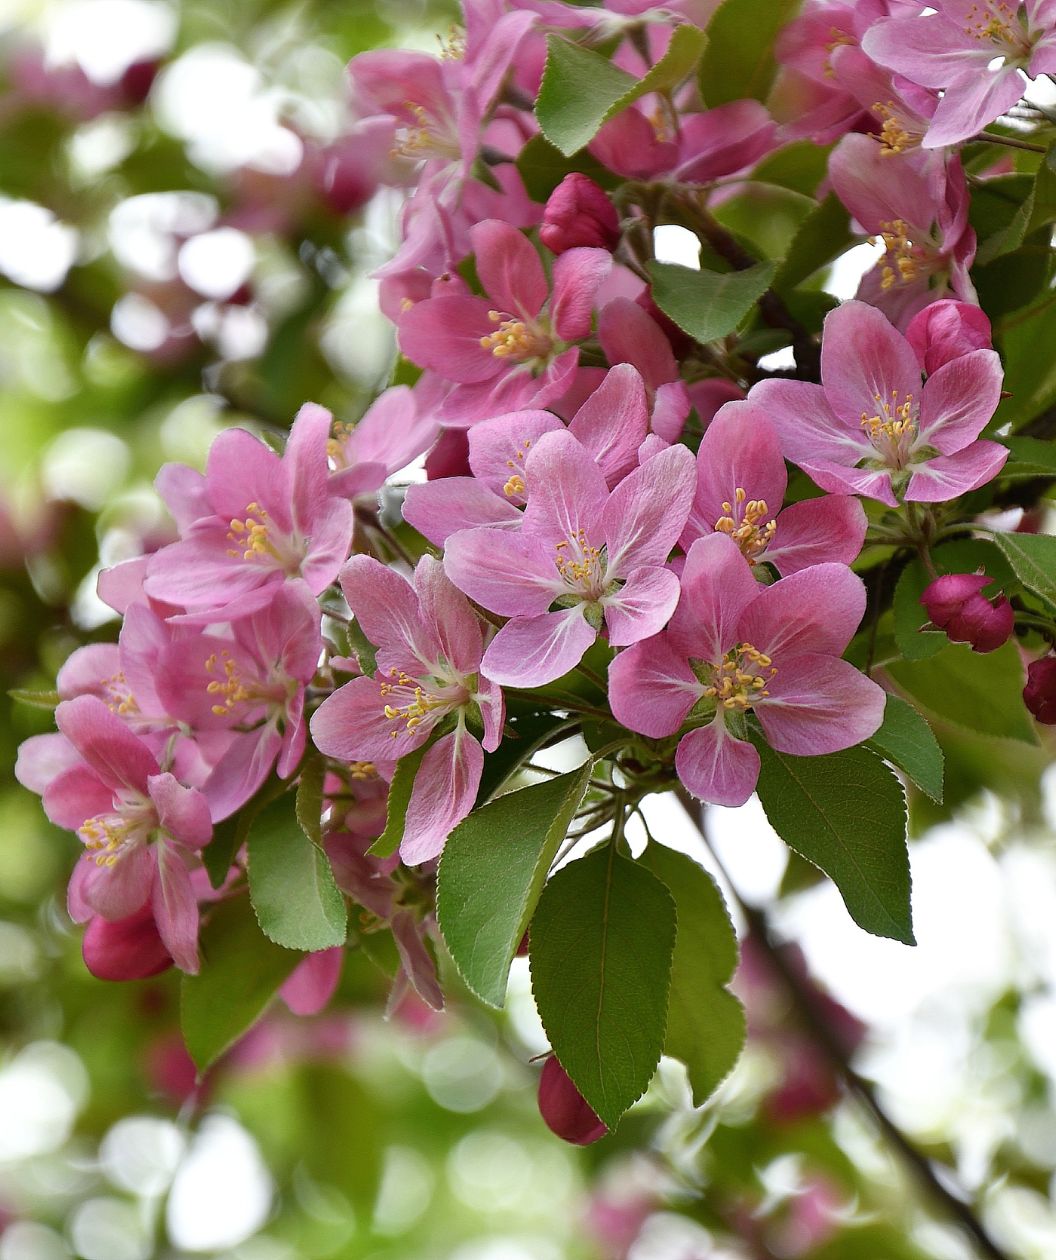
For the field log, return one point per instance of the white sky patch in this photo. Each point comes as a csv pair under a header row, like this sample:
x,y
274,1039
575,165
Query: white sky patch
x,y
846,272
674,244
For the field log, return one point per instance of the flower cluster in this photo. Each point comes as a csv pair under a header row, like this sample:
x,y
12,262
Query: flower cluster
x,y
620,523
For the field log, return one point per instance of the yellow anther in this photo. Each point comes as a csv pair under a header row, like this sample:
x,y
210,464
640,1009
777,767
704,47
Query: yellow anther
x,y
746,522
740,678
515,340
231,688
894,136
580,564
515,485
411,713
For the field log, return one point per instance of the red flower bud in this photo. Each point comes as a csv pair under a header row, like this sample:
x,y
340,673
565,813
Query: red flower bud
x,y
127,949
1039,695
579,213
566,1112
954,604
946,330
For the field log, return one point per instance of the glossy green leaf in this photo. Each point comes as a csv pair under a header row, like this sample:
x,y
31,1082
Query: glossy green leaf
x,y
35,699
906,740
1033,559
492,871
979,691
241,972
291,885
581,90
706,1027
823,234
708,304
846,813
602,941
739,60
543,167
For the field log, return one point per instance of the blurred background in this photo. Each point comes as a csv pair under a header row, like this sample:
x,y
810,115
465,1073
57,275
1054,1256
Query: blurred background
x,y
183,248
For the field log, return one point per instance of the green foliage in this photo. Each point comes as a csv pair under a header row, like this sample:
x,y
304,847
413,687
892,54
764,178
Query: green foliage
x,y
739,59
543,167
297,902
48,700
822,236
979,691
491,874
1033,557
846,813
906,740
706,1026
241,973
601,949
1036,210
707,304
581,90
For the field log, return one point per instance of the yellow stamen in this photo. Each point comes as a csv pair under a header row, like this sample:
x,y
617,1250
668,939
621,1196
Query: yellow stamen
x,y
740,678
746,522
515,340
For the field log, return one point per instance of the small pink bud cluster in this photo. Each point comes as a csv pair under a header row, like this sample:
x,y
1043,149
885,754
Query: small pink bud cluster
x,y
1039,695
954,603
579,213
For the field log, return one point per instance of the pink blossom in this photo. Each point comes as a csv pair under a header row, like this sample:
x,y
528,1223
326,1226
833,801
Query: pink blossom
x,y
919,209
740,486
515,347
430,644
734,646
598,555
871,429
141,827
978,52
127,949
394,430
256,520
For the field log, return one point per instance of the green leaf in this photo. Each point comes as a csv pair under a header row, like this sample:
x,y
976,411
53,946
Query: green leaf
x,y
1033,559
364,651
906,740
1030,457
705,1023
230,835
708,304
581,89
399,798
846,813
542,167
823,234
980,691
291,885
492,872
914,643
522,738
739,59
1038,210
601,947
35,699
241,972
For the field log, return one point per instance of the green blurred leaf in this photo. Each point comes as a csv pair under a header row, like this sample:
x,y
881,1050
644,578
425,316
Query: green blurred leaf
x,y
823,234
491,874
706,304
1036,211
601,948
739,60
581,89
542,167
706,1026
35,699
906,740
241,972
297,902
979,691
846,813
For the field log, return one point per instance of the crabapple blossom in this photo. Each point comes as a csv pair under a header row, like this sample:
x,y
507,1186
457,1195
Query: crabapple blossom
x,y
955,603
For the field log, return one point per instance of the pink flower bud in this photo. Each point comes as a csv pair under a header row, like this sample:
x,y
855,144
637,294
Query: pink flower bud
x,y
579,213
566,1112
126,949
946,330
954,604
1039,695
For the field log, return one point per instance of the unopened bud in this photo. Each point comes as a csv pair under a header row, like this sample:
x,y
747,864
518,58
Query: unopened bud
x,y
126,949
578,213
566,1112
1039,695
947,330
955,604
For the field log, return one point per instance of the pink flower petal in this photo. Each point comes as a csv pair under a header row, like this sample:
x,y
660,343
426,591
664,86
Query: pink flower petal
x,y
312,983
614,422
386,607
438,509
652,688
503,571
176,909
351,724
182,811
578,274
717,586
807,427
117,891
568,489
865,360
815,610
972,101
533,651
642,606
106,744
498,448
950,475
814,531
959,399
445,788
839,479
444,334
509,268
75,795
819,704
449,620
647,511
628,335
715,767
